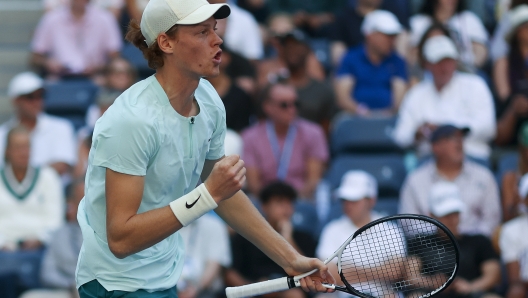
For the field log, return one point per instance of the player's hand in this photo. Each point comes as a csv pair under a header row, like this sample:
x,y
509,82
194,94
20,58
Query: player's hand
x,y
226,178
311,283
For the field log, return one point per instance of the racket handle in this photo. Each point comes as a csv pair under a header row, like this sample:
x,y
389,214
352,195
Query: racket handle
x,y
260,288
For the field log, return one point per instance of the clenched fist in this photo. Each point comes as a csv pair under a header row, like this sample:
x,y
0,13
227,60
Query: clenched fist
x,y
226,178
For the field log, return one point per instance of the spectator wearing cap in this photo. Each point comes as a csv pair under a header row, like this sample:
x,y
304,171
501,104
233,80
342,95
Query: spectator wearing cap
x,y
284,146
514,248
114,6
510,197
75,40
316,98
450,97
52,138
372,77
478,189
241,32
358,193
479,267
511,80
277,201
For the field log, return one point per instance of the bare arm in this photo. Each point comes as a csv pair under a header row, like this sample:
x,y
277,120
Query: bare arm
x,y
343,88
516,288
61,167
337,51
480,52
490,277
399,87
507,122
501,78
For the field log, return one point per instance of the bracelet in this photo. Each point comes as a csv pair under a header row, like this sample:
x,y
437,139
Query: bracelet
x,y
191,206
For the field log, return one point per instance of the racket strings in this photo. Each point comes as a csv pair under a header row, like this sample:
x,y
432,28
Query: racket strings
x,y
409,256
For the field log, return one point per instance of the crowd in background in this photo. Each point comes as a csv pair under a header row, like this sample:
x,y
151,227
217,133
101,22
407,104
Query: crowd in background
x,y
452,73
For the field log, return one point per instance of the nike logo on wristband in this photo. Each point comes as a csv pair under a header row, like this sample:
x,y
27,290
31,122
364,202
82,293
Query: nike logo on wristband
x,y
189,206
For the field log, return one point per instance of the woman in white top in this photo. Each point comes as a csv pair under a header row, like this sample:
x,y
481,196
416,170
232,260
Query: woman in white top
x,y
466,29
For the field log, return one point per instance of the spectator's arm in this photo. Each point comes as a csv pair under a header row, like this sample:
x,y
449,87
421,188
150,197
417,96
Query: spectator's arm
x,y
398,87
337,52
61,167
510,195
343,86
234,279
133,10
211,271
314,172
516,287
480,52
489,278
501,78
43,63
508,121
315,68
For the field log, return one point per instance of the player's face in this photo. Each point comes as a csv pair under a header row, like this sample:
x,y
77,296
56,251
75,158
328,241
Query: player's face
x,y
196,49
30,105
17,152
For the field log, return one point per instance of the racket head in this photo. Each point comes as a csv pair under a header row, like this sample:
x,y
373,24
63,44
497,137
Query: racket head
x,y
407,253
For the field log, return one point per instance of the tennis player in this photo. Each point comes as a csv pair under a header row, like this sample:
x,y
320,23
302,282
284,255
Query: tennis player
x,y
149,151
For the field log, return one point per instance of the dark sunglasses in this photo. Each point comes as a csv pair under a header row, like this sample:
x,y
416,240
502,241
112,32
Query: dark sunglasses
x,y
285,104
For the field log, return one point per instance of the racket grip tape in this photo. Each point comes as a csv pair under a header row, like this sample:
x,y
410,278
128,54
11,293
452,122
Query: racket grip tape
x,y
261,288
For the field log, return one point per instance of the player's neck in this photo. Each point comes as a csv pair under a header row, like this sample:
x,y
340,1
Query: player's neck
x,y
180,90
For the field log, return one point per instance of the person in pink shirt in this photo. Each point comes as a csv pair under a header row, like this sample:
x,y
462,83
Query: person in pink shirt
x,y
284,147
75,39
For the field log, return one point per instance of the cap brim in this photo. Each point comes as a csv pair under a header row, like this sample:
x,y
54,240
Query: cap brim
x,y
218,11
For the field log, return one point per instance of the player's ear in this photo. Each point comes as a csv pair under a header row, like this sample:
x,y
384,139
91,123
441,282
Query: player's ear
x,y
164,43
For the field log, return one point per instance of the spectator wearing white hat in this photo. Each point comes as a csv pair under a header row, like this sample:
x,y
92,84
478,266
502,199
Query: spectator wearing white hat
x,y
358,193
372,77
450,97
514,248
479,190
479,267
52,138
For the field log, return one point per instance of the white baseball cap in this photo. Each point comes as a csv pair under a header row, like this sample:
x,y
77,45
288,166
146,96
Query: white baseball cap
x,y
444,199
523,187
160,15
439,47
517,16
357,185
24,83
381,21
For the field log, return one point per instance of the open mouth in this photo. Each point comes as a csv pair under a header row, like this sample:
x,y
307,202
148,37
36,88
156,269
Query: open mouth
x,y
218,57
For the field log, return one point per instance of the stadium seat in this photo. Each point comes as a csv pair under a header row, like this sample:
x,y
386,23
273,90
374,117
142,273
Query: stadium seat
x,y
363,135
305,218
70,99
135,57
388,169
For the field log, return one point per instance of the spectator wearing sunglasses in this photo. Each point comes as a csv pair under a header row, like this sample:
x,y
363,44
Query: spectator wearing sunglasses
x,y
284,146
52,138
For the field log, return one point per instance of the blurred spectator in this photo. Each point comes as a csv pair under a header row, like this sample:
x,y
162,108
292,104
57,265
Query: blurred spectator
x,y
237,102
240,70
416,59
104,100
85,143
511,200
500,48
479,268
75,40
514,248
60,259
241,32
52,138
358,194
449,97
345,32
119,75
284,147
114,6
372,77
258,8
250,264
513,111
207,252
275,69
135,8
316,99
466,28
233,143
478,188
31,208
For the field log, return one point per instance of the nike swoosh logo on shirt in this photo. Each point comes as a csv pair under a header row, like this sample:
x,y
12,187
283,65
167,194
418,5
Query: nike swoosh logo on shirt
x,y
189,206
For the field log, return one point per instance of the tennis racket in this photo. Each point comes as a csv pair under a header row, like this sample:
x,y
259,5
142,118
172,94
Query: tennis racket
x,y
410,254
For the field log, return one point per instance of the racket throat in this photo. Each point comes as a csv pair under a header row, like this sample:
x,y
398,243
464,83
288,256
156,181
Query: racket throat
x,y
291,282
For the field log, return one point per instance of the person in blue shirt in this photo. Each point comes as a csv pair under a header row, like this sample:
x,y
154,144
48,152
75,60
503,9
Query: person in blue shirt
x,y
372,78
149,152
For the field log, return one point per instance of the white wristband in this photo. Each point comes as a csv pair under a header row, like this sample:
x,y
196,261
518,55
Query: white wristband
x,y
193,205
